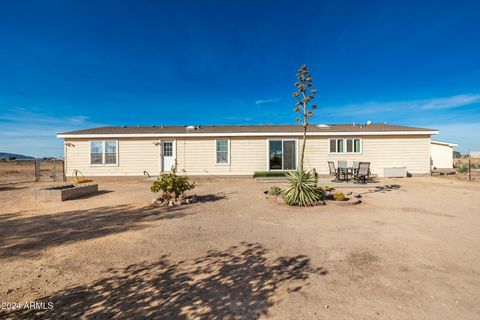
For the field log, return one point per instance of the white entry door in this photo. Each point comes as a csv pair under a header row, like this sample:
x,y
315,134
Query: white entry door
x,y
168,154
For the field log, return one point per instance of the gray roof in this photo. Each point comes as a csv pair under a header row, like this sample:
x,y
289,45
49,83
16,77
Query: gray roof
x,y
244,129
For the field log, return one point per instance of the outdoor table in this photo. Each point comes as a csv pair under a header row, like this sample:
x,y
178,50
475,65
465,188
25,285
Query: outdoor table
x,y
347,171
344,172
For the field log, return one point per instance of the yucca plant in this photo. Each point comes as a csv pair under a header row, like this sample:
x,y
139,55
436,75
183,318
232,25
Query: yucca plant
x,y
302,189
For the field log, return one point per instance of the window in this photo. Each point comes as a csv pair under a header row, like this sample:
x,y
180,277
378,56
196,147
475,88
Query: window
x,y
110,152
96,152
167,148
222,151
282,154
345,145
103,152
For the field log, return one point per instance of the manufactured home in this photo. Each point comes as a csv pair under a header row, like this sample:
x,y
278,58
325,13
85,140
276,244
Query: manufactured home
x,y
243,149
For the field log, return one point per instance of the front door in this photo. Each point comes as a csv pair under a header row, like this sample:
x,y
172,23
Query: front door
x,y
168,155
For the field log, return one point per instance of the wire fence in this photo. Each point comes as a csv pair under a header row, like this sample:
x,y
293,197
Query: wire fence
x,y
39,170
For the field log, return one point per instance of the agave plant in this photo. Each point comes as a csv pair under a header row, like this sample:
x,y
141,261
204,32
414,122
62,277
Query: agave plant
x,y
302,189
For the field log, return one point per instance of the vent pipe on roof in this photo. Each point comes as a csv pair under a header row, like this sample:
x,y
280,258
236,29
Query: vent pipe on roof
x,y
190,128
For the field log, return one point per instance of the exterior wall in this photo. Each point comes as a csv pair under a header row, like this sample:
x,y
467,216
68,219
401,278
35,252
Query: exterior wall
x,y
412,152
134,156
442,156
197,156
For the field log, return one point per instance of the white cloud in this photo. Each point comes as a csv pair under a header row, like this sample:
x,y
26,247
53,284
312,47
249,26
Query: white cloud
x,y
374,107
34,134
265,101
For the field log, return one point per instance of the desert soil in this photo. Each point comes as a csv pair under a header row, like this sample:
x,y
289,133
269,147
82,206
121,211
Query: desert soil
x,y
407,252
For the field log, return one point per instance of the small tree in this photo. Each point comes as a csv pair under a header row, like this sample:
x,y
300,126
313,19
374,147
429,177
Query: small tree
x,y
305,94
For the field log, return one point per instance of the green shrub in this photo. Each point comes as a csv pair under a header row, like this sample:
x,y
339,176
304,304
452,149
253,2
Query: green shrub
x,y
462,167
274,191
328,188
302,189
172,185
338,196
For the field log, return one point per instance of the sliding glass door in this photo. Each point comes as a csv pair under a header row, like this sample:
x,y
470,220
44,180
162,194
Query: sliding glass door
x,y
282,154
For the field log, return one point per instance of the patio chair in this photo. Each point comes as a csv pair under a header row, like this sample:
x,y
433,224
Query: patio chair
x,y
363,172
342,164
354,167
338,174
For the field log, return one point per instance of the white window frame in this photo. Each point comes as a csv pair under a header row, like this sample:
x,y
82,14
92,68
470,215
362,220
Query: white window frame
x,y
103,164
345,145
268,154
228,152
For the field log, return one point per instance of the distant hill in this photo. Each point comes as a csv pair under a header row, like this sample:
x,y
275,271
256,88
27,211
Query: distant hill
x,y
7,156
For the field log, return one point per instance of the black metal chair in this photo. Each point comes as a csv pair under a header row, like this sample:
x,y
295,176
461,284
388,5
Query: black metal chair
x,y
340,175
363,172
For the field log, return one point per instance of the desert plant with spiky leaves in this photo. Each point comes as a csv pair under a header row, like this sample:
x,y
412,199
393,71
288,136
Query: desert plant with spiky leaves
x,y
302,189
305,94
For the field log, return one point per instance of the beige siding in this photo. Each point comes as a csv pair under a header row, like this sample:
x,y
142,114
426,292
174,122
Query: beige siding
x,y
412,152
134,157
196,156
442,156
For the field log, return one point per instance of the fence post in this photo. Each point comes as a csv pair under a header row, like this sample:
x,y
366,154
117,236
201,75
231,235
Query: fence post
x,y
54,170
470,168
64,176
37,170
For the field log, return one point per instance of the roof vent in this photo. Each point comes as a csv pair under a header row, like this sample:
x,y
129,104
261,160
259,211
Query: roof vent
x,y
191,128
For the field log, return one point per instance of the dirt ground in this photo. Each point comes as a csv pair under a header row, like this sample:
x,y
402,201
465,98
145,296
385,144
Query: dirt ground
x,y
407,252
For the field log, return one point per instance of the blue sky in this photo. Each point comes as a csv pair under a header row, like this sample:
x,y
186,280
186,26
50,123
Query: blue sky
x,y
67,65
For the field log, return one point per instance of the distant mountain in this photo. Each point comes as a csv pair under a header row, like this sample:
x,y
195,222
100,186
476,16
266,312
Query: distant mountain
x,y
6,155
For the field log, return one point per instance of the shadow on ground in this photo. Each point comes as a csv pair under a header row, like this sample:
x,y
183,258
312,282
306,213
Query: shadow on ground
x,y
237,283
10,188
384,188
26,236
211,197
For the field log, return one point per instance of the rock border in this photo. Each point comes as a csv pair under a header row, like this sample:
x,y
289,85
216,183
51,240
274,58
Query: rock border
x,y
354,199
182,200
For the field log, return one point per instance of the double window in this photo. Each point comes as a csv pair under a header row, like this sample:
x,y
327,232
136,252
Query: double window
x,y
282,154
222,151
103,152
346,145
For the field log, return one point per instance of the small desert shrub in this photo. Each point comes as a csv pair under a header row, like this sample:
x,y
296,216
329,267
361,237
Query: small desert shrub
x,y
172,185
274,191
302,189
338,196
328,188
462,167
